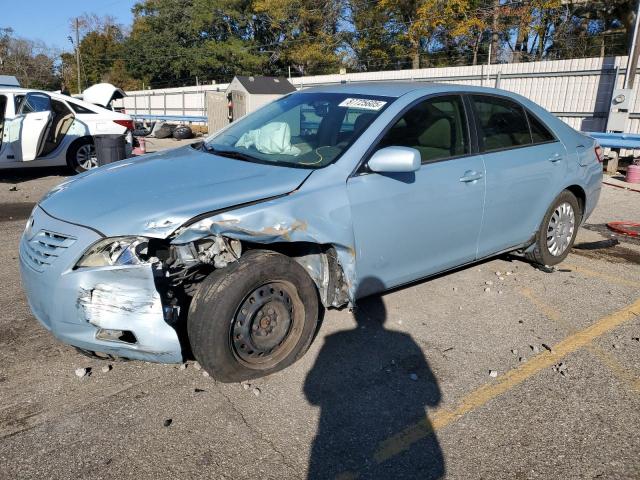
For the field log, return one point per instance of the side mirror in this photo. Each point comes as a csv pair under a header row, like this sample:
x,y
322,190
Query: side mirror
x,y
395,160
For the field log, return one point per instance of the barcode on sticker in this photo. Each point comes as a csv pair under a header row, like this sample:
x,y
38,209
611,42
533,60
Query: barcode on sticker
x,y
363,103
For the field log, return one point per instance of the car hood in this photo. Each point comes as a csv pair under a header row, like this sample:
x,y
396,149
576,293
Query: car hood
x,y
155,194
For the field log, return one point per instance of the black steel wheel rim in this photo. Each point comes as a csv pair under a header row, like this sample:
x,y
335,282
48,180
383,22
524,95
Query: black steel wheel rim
x,y
262,326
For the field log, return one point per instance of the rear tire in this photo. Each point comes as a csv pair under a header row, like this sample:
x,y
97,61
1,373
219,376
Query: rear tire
x,y
557,231
81,155
254,317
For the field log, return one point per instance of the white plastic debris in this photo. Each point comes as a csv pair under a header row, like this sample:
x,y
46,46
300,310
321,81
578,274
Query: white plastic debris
x,y
488,282
487,290
182,366
256,391
81,372
534,348
205,374
106,368
493,373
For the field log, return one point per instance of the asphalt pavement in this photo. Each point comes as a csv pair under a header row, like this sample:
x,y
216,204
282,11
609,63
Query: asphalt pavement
x,y
497,370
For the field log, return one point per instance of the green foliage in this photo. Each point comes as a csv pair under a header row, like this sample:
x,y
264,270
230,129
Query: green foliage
x,y
172,42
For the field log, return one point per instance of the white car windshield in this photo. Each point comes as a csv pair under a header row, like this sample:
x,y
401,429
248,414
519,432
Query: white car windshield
x,y
307,130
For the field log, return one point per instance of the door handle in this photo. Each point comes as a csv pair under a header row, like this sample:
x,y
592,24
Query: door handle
x,y
471,176
556,157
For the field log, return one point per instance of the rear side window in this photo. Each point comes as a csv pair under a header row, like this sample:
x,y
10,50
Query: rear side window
x,y
80,109
436,127
501,123
539,132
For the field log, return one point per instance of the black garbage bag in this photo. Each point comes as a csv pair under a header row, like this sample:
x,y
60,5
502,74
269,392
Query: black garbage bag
x,y
165,131
182,132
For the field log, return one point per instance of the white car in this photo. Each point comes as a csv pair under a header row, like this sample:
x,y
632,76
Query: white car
x,y
43,129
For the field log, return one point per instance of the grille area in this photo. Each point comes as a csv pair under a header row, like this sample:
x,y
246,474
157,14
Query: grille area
x,y
43,249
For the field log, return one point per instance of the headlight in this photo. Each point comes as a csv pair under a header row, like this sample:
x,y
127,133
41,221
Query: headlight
x,y
116,251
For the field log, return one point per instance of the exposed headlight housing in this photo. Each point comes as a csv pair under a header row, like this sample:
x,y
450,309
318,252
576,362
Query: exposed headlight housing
x,y
116,251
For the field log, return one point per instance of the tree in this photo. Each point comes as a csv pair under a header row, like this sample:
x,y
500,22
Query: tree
x,y
307,32
31,62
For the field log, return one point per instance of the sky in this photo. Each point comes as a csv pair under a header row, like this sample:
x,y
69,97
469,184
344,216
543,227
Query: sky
x,y
48,20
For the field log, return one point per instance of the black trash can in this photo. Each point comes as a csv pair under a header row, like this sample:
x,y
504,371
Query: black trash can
x,y
110,148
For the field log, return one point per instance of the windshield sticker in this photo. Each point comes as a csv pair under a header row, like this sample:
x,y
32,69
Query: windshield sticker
x,y
363,103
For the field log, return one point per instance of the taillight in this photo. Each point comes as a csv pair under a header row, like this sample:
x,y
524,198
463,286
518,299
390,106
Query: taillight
x,y
128,124
599,153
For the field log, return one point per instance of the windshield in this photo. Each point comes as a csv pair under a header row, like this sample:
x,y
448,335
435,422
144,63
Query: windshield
x,y
307,130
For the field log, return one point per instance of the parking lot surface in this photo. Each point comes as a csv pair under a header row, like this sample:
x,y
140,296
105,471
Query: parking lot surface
x,y
496,370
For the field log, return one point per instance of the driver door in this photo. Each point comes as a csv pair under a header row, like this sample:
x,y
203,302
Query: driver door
x,y
411,225
29,129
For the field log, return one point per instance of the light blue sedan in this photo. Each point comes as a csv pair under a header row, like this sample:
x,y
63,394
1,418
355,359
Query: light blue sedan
x,y
230,248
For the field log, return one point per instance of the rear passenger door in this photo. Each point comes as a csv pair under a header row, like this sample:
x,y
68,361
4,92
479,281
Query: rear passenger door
x,y
525,166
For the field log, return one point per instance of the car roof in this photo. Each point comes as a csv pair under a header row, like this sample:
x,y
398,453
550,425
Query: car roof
x,y
399,88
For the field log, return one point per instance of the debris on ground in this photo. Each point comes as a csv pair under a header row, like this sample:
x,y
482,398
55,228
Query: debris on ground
x,y
256,391
167,422
413,376
82,372
547,347
488,282
487,290
246,385
493,373
561,368
514,351
534,348
615,345
455,289
14,188
637,339
522,359
205,374
106,368
197,366
182,366
198,390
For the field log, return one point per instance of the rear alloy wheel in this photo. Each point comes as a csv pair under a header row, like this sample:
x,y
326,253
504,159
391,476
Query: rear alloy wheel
x,y
81,156
557,231
254,317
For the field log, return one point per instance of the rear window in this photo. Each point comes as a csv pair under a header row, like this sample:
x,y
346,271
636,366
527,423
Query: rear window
x,y
502,123
80,109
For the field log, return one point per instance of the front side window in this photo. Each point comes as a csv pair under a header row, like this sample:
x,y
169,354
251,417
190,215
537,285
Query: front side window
x,y
307,130
436,127
501,123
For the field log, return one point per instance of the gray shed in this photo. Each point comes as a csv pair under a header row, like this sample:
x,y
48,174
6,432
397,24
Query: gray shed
x,y
247,94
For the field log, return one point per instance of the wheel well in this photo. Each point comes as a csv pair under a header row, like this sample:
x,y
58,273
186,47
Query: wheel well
x,y
79,140
321,263
580,194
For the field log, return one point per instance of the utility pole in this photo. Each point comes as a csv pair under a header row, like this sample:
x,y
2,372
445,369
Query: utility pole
x,y
78,53
632,61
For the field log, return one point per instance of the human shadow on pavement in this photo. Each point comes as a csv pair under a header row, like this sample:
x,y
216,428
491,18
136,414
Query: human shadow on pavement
x,y
372,383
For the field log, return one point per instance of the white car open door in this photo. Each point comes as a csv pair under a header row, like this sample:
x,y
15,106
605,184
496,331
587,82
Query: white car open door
x,y
28,130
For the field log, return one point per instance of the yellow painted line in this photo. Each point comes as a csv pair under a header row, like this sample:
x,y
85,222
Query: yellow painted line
x,y
609,278
605,357
546,309
479,397
611,362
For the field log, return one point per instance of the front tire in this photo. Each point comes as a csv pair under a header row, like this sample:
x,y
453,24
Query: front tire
x,y
557,232
81,155
254,317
